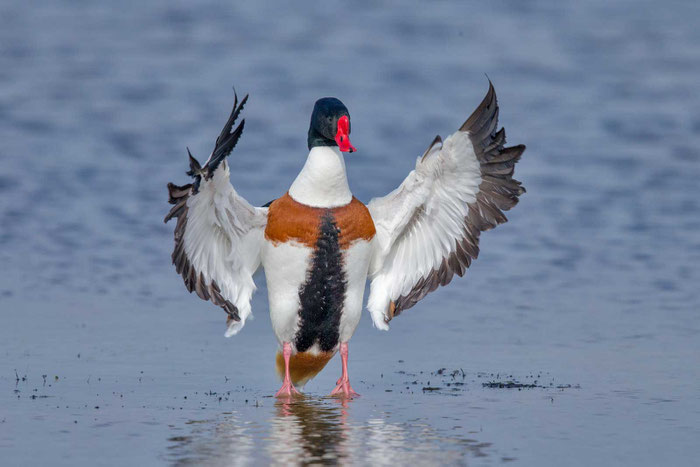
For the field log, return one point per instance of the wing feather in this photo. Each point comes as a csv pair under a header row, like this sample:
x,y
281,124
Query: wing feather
x,y
218,235
428,229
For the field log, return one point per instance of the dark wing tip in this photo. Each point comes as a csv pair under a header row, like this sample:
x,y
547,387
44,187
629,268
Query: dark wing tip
x,y
228,138
195,166
226,130
177,195
436,140
483,113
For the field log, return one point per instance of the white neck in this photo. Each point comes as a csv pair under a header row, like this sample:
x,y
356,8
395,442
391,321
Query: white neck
x,y
322,182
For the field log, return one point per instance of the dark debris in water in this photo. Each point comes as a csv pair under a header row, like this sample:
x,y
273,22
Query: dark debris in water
x,y
453,382
514,384
509,385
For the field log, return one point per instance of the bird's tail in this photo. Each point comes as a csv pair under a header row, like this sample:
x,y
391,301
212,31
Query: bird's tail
x,y
303,366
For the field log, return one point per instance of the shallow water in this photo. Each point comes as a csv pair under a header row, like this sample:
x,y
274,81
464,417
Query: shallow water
x,y
590,290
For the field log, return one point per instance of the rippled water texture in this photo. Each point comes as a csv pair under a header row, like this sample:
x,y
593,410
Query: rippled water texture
x,y
573,340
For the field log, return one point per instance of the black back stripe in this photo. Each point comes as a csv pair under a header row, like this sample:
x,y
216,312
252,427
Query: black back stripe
x,y
322,296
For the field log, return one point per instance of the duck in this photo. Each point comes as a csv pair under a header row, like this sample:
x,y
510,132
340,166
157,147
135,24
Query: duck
x,y
319,245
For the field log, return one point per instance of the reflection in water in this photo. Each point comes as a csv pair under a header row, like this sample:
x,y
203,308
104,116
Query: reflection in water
x,y
224,441
310,430
317,431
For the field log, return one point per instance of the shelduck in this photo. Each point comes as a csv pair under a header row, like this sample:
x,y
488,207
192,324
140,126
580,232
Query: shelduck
x,y
318,244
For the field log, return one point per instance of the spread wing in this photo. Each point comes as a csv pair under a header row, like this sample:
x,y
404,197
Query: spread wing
x,y
428,228
218,235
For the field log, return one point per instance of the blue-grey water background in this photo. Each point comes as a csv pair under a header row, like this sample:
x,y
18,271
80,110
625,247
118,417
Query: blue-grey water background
x,y
591,286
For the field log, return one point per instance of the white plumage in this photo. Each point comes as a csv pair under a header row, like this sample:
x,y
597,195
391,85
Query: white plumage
x,y
419,223
286,265
223,241
322,182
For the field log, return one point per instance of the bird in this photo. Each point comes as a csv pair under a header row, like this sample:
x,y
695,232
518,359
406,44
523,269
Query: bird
x,y
319,245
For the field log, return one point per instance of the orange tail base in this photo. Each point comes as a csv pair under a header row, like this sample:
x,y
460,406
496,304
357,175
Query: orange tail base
x,y
303,366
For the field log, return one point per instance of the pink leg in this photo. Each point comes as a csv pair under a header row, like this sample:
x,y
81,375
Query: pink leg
x,y
287,388
343,388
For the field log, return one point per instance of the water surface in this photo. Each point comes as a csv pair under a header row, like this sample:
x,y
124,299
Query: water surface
x,y
589,293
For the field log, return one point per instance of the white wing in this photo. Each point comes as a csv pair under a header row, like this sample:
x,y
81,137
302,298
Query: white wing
x,y
428,228
218,235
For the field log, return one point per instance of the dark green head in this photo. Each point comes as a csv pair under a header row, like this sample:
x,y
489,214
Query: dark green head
x,y
330,125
